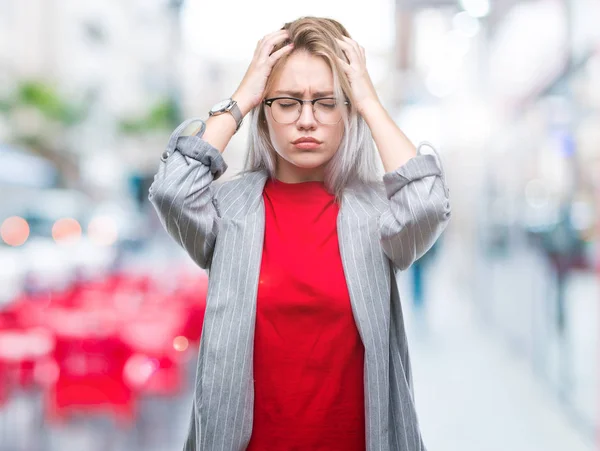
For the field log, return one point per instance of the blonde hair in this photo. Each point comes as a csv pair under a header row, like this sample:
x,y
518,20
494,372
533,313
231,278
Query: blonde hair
x,y
356,159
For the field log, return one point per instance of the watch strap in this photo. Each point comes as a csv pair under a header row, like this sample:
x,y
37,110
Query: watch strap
x,y
235,111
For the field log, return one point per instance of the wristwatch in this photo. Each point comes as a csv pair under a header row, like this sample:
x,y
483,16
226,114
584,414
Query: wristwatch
x,y
228,106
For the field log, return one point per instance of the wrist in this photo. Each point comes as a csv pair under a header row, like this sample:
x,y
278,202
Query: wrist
x,y
243,103
370,108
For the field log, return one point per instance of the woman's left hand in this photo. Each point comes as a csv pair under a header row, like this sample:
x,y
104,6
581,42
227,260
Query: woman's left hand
x,y
363,90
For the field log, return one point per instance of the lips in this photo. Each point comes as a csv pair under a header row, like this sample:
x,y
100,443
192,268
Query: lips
x,y
306,139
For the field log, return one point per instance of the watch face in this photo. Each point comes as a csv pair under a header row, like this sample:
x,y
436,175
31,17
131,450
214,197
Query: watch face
x,y
221,105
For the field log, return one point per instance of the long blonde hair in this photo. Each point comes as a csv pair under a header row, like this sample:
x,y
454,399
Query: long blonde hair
x,y
356,159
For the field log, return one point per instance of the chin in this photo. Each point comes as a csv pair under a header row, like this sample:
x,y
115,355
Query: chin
x,y
308,160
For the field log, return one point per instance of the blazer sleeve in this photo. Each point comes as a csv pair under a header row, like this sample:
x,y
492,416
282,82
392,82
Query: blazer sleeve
x,y
182,193
419,208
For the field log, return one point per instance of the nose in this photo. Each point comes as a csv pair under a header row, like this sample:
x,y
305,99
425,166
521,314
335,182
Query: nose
x,y
307,117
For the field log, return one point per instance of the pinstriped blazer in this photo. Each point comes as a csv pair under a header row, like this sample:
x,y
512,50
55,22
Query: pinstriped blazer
x,y
381,228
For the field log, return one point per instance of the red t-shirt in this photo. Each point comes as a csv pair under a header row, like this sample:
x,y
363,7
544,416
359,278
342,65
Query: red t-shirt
x,y
308,355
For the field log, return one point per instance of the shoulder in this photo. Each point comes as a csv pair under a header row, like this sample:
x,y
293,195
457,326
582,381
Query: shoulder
x,y
370,196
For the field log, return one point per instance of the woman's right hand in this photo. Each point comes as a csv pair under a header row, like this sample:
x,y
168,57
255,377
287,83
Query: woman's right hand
x,y
251,90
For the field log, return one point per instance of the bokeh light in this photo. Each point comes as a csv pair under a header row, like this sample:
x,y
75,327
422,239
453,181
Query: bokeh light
x,y
14,231
66,230
180,343
102,230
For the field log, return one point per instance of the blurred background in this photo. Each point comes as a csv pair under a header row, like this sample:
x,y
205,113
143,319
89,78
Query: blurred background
x,y
100,311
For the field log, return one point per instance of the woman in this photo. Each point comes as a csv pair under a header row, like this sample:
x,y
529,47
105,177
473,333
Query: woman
x,y
303,345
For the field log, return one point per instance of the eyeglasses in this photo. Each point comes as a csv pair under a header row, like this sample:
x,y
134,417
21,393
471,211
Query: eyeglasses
x,y
287,110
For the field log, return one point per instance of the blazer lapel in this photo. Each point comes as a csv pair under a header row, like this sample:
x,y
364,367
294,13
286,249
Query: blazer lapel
x,y
368,277
225,369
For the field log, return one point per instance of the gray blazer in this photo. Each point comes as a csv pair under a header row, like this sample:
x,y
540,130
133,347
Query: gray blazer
x,y
381,227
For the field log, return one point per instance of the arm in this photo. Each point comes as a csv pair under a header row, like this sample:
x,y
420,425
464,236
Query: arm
x,y
181,192
419,208
415,186
395,149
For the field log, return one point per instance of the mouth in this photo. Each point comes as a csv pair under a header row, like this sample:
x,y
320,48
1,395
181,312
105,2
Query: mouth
x,y
307,143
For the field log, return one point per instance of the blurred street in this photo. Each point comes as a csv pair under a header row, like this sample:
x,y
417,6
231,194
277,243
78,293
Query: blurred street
x,y
476,391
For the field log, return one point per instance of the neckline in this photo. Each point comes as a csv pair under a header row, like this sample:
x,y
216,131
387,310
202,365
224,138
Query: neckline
x,y
277,181
308,187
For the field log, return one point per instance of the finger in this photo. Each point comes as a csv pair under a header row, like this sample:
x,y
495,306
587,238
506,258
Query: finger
x,y
268,37
350,41
275,33
359,51
268,45
279,53
349,51
347,67
357,48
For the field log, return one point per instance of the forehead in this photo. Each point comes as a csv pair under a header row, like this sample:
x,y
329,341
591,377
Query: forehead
x,y
304,73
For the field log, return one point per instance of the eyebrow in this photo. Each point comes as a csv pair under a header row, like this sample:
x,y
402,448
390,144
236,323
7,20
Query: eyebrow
x,y
299,94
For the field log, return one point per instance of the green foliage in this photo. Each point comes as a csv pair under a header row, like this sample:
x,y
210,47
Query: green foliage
x,y
45,99
164,115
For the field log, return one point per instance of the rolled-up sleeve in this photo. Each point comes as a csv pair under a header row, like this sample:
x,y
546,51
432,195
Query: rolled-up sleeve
x,y
419,208
182,194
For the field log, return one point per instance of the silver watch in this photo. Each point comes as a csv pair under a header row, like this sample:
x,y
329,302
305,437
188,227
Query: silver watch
x,y
228,106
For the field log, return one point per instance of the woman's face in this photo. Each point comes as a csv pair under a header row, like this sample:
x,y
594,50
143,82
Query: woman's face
x,y
306,77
